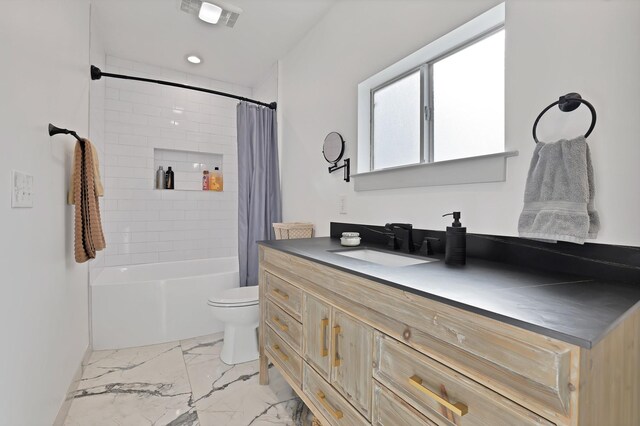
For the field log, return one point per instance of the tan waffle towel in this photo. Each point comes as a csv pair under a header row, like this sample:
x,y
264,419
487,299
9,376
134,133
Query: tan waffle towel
x,y
96,175
88,229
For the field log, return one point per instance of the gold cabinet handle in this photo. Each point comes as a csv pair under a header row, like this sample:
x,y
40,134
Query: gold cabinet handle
x,y
284,356
281,294
334,345
281,326
458,408
323,337
337,414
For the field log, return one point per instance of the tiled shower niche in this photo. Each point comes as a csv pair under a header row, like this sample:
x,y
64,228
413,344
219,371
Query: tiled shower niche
x,y
188,166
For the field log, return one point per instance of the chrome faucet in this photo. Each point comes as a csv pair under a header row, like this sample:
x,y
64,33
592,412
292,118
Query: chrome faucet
x,y
403,234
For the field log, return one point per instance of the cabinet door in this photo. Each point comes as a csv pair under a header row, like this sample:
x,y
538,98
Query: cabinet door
x,y
316,316
351,357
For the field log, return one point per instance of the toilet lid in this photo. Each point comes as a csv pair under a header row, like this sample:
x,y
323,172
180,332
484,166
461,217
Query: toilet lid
x,y
239,296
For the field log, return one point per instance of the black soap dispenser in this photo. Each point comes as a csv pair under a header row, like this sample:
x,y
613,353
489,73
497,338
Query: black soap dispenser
x,y
456,246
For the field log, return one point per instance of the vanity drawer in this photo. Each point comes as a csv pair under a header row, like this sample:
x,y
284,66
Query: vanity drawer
x,y
334,407
283,354
390,410
442,393
284,325
285,295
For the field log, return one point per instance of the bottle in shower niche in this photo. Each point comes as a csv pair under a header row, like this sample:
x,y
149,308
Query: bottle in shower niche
x,y
215,180
169,179
205,180
160,178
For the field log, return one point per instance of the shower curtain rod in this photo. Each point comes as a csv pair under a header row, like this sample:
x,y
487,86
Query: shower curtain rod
x,y
96,74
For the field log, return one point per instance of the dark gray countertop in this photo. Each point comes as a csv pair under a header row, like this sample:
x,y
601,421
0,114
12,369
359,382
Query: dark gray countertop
x,y
570,308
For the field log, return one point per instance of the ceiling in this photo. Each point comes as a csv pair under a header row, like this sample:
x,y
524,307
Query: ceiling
x,y
156,32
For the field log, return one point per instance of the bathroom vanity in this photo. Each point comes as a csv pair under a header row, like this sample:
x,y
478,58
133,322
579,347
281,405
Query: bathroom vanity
x,y
487,344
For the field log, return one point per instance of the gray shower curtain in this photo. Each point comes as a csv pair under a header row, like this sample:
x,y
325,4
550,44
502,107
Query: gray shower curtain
x,y
259,198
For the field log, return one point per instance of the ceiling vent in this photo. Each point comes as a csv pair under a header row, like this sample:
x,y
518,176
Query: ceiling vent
x,y
228,17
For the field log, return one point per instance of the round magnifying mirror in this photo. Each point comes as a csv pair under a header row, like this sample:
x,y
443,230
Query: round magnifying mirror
x,y
333,147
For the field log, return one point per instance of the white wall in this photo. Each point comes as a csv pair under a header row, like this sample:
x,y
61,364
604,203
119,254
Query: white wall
x,y
267,89
44,78
97,91
553,47
144,225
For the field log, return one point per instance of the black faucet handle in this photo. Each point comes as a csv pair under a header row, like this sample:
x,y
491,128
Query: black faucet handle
x,y
425,248
391,241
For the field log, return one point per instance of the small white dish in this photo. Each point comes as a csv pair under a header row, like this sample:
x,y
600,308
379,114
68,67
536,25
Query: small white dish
x,y
350,234
350,241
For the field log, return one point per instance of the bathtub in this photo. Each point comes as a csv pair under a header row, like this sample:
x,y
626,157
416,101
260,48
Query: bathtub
x,y
160,302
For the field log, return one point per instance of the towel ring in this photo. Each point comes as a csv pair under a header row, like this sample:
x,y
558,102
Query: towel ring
x,y
568,103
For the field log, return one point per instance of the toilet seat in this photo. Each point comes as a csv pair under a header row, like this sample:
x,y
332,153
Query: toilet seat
x,y
235,297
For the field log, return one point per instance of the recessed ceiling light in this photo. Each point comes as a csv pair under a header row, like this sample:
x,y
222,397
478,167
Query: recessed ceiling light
x,y
194,59
210,12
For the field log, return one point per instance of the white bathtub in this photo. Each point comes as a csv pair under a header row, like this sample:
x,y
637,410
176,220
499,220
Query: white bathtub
x,y
160,302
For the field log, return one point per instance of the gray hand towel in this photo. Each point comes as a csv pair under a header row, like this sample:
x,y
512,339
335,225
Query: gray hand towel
x,y
558,198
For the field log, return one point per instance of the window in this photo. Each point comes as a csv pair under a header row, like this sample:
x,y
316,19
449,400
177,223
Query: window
x,y
397,122
436,117
447,108
468,100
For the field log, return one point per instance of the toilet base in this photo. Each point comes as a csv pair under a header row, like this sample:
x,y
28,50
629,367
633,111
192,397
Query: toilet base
x,y
240,344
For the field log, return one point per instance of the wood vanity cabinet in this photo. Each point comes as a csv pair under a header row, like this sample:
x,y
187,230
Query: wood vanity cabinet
x,y
360,352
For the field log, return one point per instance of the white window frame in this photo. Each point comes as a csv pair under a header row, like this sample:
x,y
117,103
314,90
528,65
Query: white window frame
x,y
420,174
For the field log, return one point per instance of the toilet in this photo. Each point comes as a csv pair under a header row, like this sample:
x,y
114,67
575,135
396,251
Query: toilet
x,y
237,308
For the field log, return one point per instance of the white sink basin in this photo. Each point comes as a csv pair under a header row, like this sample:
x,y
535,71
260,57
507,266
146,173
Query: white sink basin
x,y
383,258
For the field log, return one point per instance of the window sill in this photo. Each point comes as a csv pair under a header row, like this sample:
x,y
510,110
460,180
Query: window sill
x,y
481,169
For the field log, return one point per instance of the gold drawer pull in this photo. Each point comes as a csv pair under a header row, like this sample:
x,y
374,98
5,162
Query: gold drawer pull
x,y
323,337
337,414
334,344
280,294
458,408
284,356
281,326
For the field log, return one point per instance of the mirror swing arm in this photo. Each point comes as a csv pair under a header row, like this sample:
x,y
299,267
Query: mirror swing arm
x,y
333,150
347,169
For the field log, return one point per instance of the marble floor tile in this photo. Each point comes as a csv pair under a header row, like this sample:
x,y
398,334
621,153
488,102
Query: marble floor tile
x,y
136,386
279,413
180,384
230,394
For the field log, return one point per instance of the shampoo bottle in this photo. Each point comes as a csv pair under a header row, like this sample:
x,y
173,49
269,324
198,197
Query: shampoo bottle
x,y
215,180
169,179
160,178
456,245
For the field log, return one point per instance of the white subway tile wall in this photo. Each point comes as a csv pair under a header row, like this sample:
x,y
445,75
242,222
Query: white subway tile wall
x,y
143,122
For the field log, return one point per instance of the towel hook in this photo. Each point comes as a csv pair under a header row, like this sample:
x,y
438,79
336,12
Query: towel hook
x,y
53,130
568,103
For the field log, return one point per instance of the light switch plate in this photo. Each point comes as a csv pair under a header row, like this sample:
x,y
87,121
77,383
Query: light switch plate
x,y
342,204
22,189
